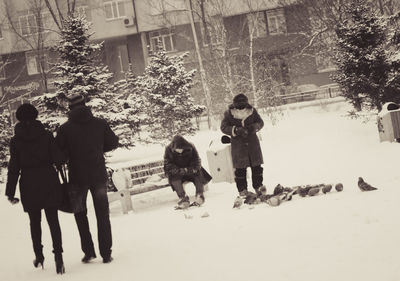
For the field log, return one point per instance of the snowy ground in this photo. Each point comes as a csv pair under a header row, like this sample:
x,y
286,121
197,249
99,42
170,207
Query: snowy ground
x,y
339,236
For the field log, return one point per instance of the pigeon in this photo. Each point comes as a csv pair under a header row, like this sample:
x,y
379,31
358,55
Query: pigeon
x,y
302,191
365,186
339,187
278,189
274,201
264,197
238,202
313,191
251,197
262,190
326,188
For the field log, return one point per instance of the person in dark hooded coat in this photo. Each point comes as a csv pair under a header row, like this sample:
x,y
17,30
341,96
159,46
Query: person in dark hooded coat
x,y
33,154
182,163
85,139
241,121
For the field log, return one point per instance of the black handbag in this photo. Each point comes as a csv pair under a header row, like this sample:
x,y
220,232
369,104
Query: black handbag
x,y
72,195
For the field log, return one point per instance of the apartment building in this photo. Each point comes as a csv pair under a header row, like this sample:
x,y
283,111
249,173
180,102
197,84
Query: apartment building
x,y
132,29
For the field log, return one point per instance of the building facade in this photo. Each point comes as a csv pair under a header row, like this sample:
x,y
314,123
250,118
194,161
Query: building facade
x,y
131,30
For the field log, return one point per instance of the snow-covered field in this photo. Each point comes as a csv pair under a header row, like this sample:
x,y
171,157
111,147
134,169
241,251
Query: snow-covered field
x,y
339,236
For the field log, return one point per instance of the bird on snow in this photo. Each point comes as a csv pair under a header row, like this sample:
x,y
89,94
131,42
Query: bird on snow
x,y
264,197
274,201
365,186
251,197
313,191
262,190
238,202
339,187
302,191
326,188
278,189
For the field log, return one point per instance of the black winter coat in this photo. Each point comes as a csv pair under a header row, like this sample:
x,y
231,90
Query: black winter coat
x,y
85,138
33,152
246,150
183,165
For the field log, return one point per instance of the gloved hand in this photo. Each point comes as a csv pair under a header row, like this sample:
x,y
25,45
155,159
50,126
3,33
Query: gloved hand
x,y
13,200
240,131
252,128
183,171
194,171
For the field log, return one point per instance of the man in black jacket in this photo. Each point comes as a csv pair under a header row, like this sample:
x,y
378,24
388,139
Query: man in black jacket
x,y
85,138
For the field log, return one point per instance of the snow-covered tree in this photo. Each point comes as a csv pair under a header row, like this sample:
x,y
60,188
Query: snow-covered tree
x,y
165,84
6,132
363,67
125,109
79,70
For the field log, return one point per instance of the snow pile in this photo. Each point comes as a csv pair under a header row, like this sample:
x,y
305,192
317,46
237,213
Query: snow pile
x,y
348,235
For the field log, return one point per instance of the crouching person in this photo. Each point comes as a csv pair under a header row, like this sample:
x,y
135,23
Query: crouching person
x,y
182,163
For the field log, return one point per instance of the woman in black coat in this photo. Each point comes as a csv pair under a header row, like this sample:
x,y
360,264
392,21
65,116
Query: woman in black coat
x,y
242,122
33,154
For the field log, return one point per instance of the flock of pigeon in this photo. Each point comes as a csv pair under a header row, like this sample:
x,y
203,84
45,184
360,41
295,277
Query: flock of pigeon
x,y
281,193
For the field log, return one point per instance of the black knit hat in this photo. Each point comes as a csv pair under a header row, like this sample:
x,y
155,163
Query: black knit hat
x,y
26,112
76,100
240,101
240,98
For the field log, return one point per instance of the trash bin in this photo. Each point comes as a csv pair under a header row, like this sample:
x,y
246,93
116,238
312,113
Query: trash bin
x,y
389,122
220,162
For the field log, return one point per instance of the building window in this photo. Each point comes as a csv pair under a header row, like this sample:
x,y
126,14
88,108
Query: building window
x,y
32,63
163,39
114,9
257,24
276,21
216,30
27,24
2,69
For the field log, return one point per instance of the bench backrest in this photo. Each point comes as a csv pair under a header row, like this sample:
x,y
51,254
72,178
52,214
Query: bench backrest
x,y
140,173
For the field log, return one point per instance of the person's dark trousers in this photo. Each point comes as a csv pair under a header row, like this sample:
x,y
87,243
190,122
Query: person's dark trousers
x,y
177,184
240,179
35,218
101,207
257,176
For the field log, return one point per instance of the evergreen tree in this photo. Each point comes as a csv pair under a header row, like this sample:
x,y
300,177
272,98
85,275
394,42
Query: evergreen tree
x,y
124,113
166,85
363,68
79,71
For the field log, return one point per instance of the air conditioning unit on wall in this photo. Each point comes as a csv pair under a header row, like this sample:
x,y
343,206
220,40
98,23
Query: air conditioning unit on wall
x,y
129,21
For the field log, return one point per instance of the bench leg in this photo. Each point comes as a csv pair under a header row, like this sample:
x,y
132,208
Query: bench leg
x,y
126,201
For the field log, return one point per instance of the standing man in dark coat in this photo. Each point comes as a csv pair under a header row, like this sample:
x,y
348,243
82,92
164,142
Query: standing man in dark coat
x,y
242,122
182,163
85,138
33,154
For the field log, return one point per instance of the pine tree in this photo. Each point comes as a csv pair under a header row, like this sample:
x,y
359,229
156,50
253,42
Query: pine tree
x,y
363,68
79,71
166,85
124,113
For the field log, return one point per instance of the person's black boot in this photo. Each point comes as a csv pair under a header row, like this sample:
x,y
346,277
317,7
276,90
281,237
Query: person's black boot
x,y
108,259
38,261
59,264
88,257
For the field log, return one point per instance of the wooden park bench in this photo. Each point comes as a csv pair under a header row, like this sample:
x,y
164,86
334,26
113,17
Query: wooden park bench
x,y
135,179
